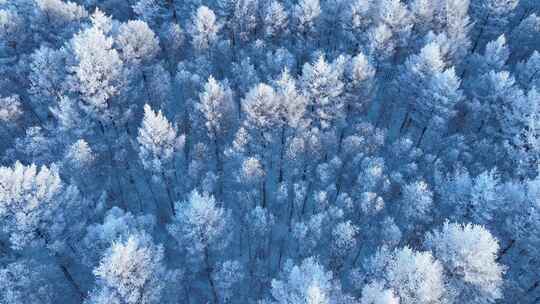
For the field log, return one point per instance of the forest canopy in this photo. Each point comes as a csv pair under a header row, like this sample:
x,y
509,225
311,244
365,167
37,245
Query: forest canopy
x,y
269,151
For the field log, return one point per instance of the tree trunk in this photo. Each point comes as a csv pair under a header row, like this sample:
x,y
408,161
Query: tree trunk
x,y
506,249
114,167
421,136
209,275
169,195
154,197
357,256
219,168
480,34
281,155
404,123
173,9
63,268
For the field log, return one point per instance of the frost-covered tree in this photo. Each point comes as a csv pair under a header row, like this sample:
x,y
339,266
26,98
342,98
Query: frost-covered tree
x,y
344,237
375,293
499,112
158,141
80,155
25,281
200,222
204,29
293,102
117,226
97,70
306,14
276,20
307,282
131,271
79,160
58,19
262,109
33,202
12,29
228,277
415,277
495,56
492,16
217,108
245,15
47,79
432,92
217,112
33,206
359,84
202,229
158,145
150,11
323,86
527,71
137,42
449,18
416,203
525,37
469,255
10,109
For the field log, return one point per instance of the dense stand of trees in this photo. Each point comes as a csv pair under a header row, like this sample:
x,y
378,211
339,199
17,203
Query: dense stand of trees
x,y
276,152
